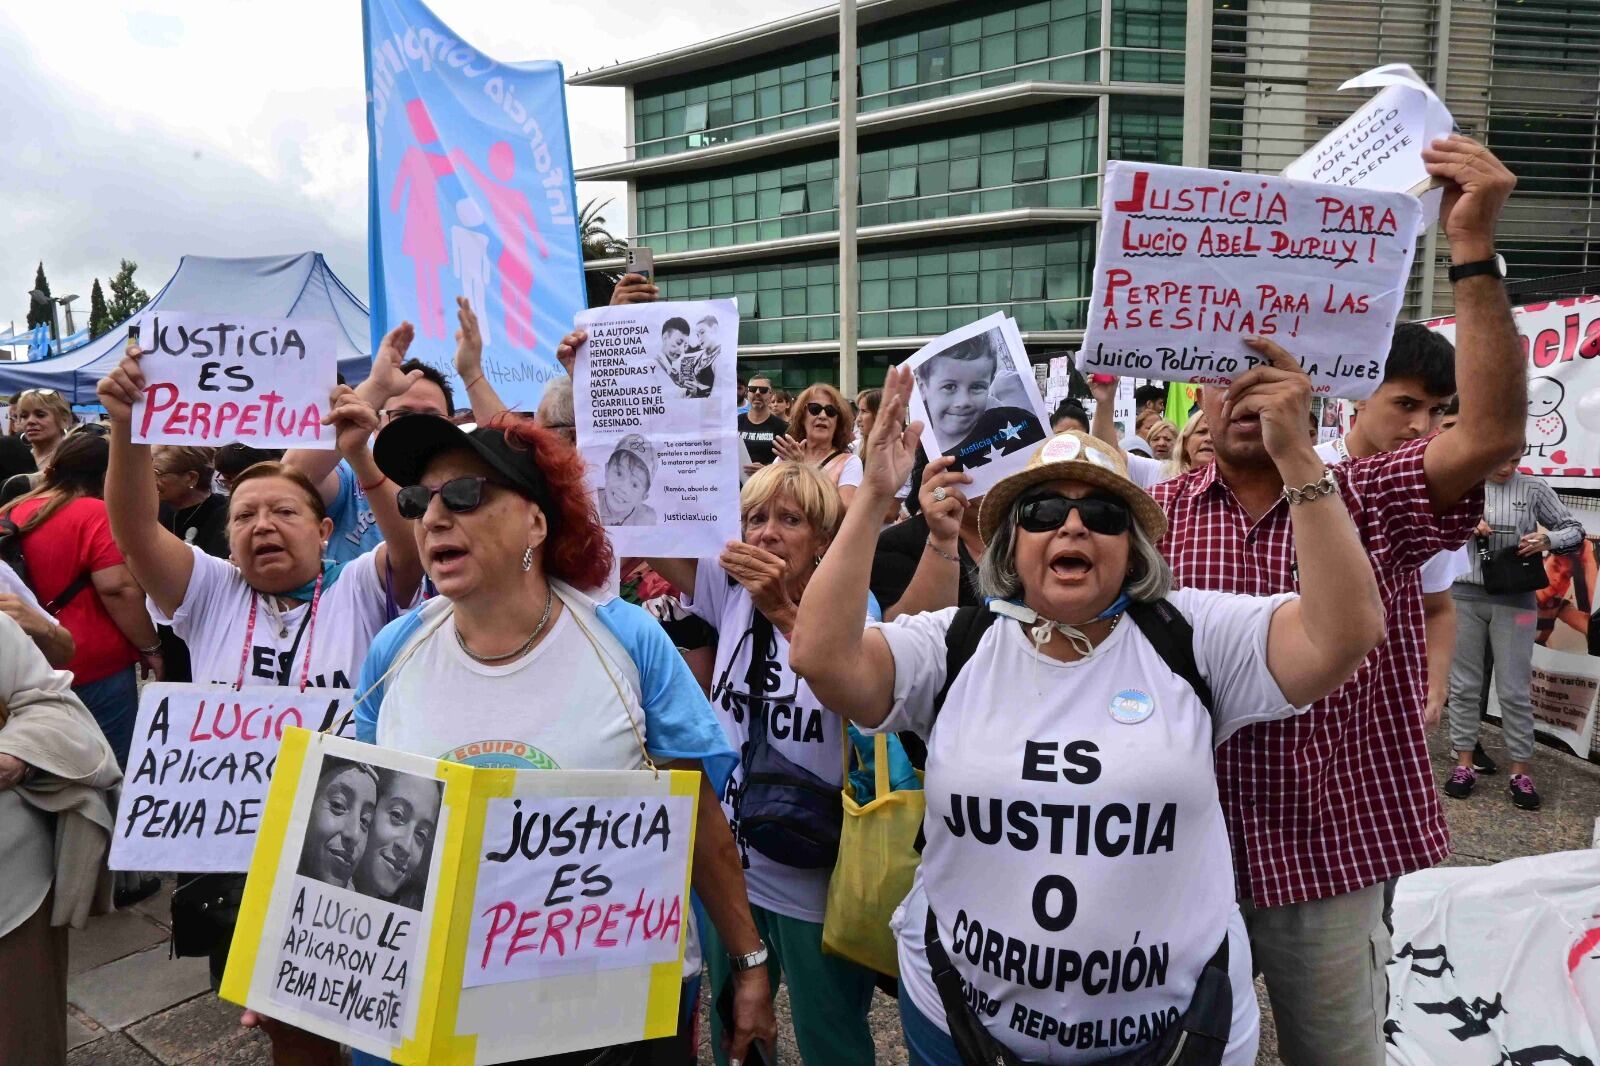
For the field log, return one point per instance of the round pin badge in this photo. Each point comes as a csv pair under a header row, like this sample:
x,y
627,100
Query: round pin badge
x,y
1130,706
1061,449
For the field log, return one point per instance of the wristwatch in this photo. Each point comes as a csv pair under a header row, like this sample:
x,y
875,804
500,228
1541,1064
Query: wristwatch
x,y
1495,266
741,963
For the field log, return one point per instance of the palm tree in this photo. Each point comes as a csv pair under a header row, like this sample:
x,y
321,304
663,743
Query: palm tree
x,y
598,242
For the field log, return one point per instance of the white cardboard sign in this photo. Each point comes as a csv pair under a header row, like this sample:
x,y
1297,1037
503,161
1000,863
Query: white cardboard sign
x,y
214,379
1191,262
653,394
975,394
198,770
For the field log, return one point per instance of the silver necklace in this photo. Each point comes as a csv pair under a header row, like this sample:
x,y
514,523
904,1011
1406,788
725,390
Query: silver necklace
x,y
549,601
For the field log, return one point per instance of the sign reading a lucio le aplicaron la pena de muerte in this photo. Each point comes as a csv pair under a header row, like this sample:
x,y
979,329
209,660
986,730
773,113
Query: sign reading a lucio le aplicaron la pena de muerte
x,y
432,912
1192,262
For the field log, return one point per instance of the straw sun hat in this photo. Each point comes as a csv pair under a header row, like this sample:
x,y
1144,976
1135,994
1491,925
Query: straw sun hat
x,y
1073,457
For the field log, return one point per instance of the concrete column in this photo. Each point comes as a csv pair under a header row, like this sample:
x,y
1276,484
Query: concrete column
x,y
849,284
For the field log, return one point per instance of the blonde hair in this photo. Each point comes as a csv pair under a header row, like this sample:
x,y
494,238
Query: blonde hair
x,y
51,401
1157,426
1180,447
843,426
816,496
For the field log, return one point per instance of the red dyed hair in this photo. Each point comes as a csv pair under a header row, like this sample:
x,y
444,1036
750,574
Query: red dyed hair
x,y
577,550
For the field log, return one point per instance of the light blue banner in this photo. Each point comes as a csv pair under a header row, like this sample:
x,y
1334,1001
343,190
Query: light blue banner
x,y
470,192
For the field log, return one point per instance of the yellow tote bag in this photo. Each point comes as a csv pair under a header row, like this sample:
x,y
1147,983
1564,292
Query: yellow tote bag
x,y
877,856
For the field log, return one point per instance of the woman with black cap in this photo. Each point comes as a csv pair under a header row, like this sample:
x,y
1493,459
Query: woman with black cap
x,y
521,662
1076,887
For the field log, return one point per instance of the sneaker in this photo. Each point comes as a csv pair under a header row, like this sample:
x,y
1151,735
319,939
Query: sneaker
x,y
1462,778
1481,761
1523,793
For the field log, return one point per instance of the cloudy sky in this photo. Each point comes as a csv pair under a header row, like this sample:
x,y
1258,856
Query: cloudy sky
x,y
234,127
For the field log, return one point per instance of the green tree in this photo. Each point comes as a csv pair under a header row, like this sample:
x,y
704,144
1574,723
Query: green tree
x,y
598,242
40,314
127,299
100,319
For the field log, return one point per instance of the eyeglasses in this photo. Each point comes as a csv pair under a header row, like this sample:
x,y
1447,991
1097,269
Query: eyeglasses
x,y
1099,514
460,495
36,392
758,388
814,409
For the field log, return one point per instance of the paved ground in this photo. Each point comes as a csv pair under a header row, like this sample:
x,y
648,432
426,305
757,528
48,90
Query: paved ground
x,y
132,1006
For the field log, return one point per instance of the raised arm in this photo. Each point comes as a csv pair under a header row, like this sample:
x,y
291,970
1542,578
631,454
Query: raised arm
x,y
936,583
355,421
1490,374
159,561
849,667
485,402
1315,642
1103,424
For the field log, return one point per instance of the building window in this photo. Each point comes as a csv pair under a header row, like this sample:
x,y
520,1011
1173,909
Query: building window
x,y
793,200
902,183
964,173
694,117
1029,165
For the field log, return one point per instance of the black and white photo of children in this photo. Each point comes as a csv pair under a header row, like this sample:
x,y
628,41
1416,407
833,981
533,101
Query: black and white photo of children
x,y
977,400
630,469
399,848
341,813
690,363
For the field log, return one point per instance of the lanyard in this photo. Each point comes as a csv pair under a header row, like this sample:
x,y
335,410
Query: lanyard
x,y
309,621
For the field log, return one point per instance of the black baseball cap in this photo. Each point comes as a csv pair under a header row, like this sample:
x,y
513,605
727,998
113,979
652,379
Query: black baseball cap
x,y
407,445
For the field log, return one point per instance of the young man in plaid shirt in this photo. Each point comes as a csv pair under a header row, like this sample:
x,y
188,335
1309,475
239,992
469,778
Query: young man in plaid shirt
x,y
1323,808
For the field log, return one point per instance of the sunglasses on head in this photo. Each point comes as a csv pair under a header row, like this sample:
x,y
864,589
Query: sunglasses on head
x,y
1100,514
758,388
814,409
460,495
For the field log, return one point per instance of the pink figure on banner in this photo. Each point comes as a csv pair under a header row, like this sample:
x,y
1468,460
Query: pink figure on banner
x,y
417,179
469,249
512,212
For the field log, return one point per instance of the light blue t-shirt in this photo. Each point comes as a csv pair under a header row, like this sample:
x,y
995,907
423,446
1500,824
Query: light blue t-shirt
x,y
355,529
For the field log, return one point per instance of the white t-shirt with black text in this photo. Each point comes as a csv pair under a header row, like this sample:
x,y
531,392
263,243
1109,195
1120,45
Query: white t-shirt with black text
x,y
1073,820
215,613
799,728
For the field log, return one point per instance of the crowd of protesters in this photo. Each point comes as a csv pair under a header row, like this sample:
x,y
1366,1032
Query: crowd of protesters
x,y
1282,620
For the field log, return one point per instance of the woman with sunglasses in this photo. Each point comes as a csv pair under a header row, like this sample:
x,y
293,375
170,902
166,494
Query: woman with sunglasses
x,y
820,434
790,512
515,663
279,613
1077,874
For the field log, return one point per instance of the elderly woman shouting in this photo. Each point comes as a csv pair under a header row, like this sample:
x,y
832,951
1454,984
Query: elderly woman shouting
x,y
1076,892
521,662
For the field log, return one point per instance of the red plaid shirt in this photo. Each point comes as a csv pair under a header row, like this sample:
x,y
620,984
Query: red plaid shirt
x,y
1341,797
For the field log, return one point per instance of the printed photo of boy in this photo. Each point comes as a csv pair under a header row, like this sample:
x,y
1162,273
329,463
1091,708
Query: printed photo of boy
x,y
400,842
341,815
968,419
630,469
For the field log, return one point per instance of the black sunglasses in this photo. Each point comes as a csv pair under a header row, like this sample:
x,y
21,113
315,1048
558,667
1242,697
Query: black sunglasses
x,y
460,494
758,388
814,409
1100,514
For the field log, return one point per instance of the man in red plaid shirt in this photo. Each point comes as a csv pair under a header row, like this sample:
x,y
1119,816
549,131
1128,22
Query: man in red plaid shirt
x,y
1323,808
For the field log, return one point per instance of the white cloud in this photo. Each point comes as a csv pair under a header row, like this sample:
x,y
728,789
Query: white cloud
x,y
229,127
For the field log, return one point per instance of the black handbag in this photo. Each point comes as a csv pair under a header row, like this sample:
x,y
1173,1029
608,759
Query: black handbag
x,y
1506,572
205,908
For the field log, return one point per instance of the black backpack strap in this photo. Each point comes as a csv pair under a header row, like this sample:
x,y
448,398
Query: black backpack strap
x,y
755,675
1165,627
960,641
79,583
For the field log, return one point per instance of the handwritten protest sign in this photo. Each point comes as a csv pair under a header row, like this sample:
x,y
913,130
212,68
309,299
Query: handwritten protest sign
x,y
356,925
974,392
198,771
219,379
653,395
1380,145
1191,262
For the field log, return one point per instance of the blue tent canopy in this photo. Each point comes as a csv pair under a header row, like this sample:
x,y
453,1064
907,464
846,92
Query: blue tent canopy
x,y
269,286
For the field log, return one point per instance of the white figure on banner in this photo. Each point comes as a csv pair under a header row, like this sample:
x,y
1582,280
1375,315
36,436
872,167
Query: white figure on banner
x,y
629,472
469,254
513,217
400,841
966,404
1546,428
341,815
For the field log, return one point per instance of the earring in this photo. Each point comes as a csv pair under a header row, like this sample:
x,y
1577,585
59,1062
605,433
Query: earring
x,y
816,560
527,558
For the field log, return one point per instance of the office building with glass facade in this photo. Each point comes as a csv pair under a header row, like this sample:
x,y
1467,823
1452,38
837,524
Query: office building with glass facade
x,y
984,126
